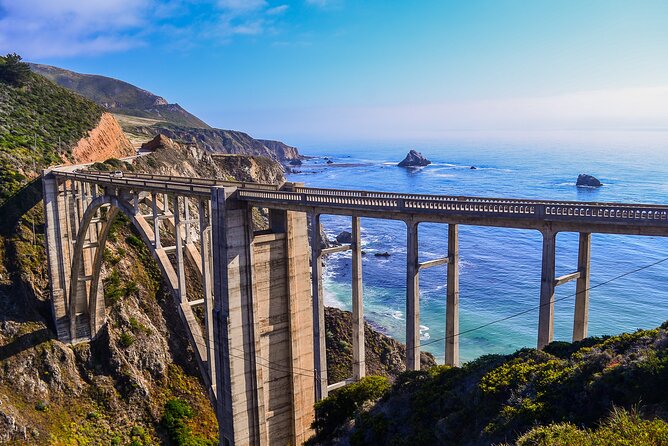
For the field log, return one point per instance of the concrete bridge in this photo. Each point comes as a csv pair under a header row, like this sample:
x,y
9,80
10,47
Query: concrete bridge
x,y
261,344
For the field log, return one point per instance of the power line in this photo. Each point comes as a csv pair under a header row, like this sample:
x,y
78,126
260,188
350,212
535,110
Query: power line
x,y
628,273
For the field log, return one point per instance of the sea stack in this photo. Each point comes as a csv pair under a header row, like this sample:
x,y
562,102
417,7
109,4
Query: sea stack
x,y
585,180
414,159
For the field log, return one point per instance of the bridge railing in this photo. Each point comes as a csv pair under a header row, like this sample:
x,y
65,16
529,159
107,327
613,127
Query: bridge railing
x,y
190,180
655,215
547,211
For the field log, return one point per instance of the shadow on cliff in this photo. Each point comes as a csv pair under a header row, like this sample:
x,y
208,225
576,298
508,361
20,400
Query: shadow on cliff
x,y
18,301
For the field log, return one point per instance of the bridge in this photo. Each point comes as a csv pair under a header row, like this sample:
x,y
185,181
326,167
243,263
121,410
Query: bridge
x,y
261,344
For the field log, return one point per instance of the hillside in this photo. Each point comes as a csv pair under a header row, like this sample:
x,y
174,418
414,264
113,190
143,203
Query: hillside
x,y
40,123
143,115
120,97
600,391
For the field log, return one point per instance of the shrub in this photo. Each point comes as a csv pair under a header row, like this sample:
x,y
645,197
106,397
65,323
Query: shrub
x,y
41,406
346,402
125,340
177,412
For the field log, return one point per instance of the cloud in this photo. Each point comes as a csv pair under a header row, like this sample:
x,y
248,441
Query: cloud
x,y
277,10
42,28
63,28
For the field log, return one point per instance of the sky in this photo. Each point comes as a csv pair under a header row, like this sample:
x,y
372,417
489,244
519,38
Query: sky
x,y
310,71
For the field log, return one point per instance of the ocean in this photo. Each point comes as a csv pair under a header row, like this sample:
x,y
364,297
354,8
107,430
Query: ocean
x,y
500,268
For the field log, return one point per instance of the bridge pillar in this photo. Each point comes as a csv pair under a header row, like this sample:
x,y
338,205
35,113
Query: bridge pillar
x,y
57,252
319,345
452,302
581,319
180,268
262,326
207,286
359,363
412,298
547,285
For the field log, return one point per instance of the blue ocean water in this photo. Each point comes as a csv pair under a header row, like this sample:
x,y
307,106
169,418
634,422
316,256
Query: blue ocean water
x,y
500,268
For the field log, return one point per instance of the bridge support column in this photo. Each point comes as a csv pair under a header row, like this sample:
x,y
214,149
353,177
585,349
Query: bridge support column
x,y
57,252
581,319
547,285
319,343
180,268
412,298
452,302
207,287
359,362
156,221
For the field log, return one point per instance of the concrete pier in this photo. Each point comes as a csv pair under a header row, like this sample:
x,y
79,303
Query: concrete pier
x,y
452,303
412,298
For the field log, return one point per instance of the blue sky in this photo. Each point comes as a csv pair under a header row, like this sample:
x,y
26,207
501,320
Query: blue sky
x,y
343,70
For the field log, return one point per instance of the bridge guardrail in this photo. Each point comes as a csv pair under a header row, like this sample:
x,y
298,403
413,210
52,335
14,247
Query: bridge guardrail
x,y
613,213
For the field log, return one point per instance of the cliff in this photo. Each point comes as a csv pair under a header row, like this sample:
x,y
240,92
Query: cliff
x,y
143,115
106,140
384,355
216,141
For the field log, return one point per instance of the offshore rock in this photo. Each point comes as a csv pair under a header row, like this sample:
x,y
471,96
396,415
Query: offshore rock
x,y
585,180
414,159
344,237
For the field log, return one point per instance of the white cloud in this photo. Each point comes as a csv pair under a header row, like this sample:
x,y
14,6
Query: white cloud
x,y
242,6
42,28
277,10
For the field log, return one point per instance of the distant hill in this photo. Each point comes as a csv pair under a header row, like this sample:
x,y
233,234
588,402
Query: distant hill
x,y
120,97
143,115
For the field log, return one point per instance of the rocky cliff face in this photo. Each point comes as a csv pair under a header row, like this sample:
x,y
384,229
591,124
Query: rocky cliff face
x,y
171,158
106,140
282,150
384,355
218,141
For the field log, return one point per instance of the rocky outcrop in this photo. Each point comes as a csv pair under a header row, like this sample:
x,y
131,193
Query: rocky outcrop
x,y
344,237
384,355
216,141
172,158
282,150
414,159
585,180
105,141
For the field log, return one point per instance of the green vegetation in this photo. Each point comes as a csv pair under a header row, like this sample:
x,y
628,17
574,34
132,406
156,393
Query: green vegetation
x,y
39,123
562,395
174,419
13,71
127,98
338,407
125,340
620,428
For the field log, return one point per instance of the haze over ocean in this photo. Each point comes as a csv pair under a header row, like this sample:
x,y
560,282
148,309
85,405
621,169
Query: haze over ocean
x,y
500,268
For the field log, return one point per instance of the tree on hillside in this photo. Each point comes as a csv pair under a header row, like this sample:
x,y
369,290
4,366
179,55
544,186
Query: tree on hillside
x,y
12,70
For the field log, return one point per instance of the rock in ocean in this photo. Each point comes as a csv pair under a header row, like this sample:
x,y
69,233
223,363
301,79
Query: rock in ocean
x,y
585,180
414,159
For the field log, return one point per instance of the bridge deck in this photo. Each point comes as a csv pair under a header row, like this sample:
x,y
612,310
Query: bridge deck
x,y
619,218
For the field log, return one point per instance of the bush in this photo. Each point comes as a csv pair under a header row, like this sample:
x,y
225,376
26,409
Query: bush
x,y
125,340
621,428
344,404
177,412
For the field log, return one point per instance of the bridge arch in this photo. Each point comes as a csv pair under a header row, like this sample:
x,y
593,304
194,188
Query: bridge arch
x,y
90,295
